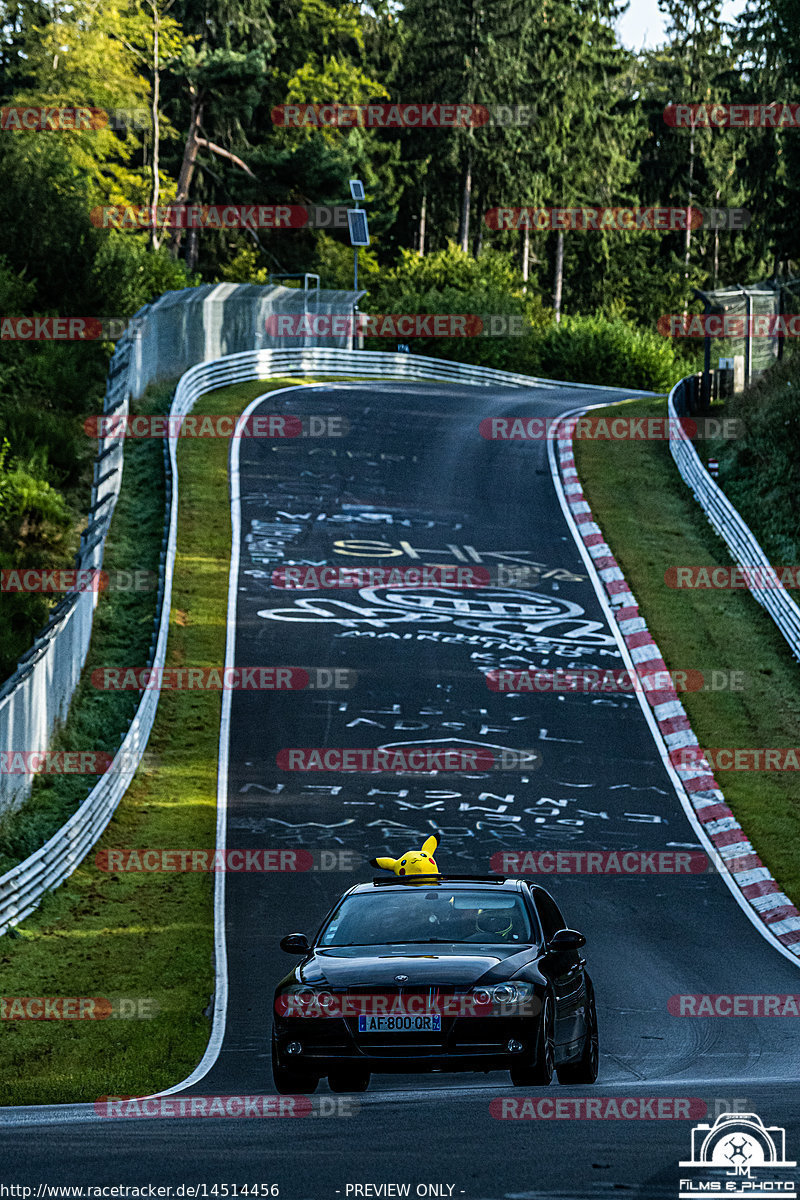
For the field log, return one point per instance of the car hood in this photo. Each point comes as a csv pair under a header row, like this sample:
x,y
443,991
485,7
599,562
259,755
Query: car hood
x,y
363,966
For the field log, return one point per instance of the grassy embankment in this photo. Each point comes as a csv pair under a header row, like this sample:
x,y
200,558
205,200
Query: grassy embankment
x,y
652,522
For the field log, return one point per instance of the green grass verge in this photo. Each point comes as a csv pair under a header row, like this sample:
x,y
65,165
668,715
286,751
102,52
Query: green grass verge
x,y
128,935
651,521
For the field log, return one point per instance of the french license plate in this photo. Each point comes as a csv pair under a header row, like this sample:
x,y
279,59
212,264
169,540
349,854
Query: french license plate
x,y
429,1023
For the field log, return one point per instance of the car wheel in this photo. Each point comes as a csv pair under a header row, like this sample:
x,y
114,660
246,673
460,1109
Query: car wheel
x,y
349,1079
540,1072
585,1068
289,1082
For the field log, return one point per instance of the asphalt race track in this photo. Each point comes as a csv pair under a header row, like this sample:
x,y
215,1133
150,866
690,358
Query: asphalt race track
x,y
413,483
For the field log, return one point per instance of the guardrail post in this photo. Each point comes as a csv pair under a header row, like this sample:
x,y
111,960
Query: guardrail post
x,y
748,339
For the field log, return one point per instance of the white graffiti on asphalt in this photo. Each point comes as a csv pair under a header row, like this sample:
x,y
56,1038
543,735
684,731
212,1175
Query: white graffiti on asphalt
x,y
523,616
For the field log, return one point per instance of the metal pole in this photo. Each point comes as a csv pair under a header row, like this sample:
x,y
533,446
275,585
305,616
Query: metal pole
x,y
355,289
748,338
780,313
705,385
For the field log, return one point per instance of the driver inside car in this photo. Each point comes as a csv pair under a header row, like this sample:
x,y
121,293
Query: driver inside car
x,y
493,925
471,925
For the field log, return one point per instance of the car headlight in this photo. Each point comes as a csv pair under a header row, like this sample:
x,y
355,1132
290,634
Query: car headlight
x,y
514,993
300,1000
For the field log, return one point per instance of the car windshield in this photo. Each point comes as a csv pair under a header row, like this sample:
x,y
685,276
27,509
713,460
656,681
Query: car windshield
x,y
401,915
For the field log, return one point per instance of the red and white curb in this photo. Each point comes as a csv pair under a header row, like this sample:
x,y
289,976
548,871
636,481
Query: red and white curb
x,y
754,881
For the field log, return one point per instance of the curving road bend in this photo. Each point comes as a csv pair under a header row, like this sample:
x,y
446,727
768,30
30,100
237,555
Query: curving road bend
x,y
414,483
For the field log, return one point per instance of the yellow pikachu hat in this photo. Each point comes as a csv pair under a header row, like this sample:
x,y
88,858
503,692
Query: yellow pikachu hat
x,y
414,862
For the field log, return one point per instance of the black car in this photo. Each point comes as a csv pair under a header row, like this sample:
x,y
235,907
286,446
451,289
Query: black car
x,y
436,973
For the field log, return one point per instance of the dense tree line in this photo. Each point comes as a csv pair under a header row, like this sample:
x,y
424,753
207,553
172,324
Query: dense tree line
x,y
205,77
210,75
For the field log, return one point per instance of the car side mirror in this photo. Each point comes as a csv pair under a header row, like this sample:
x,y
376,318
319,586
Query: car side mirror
x,y
565,940
295,943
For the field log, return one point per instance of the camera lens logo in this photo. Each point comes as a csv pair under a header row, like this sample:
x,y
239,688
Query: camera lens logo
x,y
739,1144
742,1150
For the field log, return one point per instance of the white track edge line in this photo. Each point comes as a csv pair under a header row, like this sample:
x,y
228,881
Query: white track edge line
x,y
219,1020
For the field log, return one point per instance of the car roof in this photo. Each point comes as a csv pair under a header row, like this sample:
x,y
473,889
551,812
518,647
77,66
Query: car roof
x,y
397,883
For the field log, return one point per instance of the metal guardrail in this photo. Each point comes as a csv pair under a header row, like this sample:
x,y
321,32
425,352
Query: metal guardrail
x,y
726,521
236,368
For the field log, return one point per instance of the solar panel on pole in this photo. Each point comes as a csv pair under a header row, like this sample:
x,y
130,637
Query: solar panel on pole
x,y
357,222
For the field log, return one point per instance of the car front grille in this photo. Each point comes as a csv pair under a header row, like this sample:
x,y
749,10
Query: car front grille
x,y
401,1042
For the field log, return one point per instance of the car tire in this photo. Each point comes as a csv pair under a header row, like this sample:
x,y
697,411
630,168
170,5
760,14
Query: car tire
x,y
289,1082
540,1072
349,1079
584,1069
